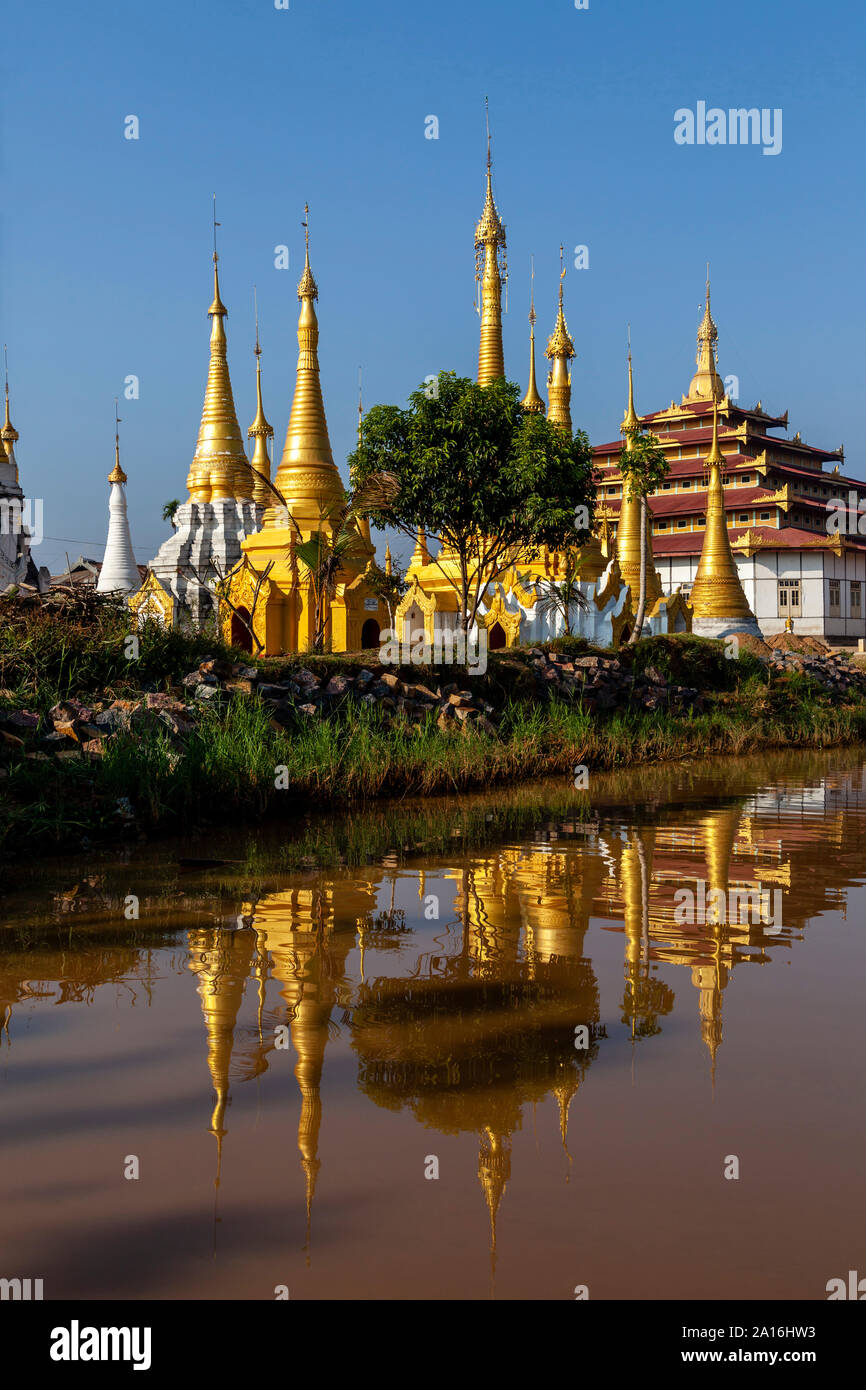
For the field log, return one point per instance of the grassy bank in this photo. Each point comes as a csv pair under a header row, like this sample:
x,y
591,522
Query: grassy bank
x,y
232,762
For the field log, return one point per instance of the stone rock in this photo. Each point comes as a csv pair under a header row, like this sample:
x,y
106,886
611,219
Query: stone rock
x,y
273,692
20,722
112,719
216,666
206,692
161,700
363,679
338,685
393,682
308,709
240,685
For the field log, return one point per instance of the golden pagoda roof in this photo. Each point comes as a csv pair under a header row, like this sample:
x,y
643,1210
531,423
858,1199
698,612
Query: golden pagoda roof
x,y
631,420
8,432
706,384
307,476
560,342
220,468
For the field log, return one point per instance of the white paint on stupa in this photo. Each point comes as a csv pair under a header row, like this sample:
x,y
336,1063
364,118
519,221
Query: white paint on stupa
x,y
119,572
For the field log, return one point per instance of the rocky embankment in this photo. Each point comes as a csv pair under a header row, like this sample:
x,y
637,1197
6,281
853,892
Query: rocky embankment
x,y
602,684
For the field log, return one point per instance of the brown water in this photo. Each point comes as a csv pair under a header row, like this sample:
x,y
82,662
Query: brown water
x,y
415,1041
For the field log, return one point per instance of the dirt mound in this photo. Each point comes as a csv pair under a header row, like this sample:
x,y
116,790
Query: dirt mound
x,y
748,643
790,642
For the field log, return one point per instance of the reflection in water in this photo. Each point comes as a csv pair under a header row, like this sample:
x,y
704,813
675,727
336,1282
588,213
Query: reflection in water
x,y
466,989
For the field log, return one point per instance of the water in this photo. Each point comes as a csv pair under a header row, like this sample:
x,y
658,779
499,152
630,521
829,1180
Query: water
x,y
419,1042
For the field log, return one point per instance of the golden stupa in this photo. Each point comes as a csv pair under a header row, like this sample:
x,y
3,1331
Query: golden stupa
x,y
270,587
718,600
219,470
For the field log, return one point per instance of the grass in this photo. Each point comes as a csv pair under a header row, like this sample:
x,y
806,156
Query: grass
x,y
232,762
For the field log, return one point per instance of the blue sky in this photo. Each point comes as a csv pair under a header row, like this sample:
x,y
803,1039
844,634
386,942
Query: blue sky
x,y
106,242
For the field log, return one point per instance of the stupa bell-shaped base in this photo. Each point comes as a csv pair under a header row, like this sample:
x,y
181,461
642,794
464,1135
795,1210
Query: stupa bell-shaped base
x,y
726,627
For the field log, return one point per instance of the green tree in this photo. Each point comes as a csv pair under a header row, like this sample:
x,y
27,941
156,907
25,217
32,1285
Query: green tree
x,y
558,597
390,588
643,467
169,509
494,483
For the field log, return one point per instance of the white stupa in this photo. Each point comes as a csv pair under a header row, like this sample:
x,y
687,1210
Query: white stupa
x,y
119,573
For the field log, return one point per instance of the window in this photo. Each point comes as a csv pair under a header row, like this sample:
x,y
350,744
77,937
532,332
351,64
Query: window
x,y
789,598
834,586
744,516
765,516
611,492
682,523
666,487
746,478
687,482
856,608
661,526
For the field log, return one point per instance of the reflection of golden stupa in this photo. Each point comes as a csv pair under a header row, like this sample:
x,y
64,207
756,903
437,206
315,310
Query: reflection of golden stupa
x,y
297,930
220,961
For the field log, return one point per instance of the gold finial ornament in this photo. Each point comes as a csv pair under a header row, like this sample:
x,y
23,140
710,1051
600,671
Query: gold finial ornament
x,y
717,592
532,401
491,270
8,434
560,350
260,431
388,561
706,384
117,474
220,470
628,529
307,476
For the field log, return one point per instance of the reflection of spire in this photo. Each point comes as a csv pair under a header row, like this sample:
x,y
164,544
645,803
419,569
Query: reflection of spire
x,y
221,961
565,1093
494,1170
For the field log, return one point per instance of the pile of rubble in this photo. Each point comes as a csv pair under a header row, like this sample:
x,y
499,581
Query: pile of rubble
x,y
837,675
601,683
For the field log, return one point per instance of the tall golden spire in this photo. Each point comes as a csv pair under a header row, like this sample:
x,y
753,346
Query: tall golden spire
x,y
628,528
717,592
532,401
117,474
560,350
364,523
220,469
261,432
706,384
307,476
9,434
491,268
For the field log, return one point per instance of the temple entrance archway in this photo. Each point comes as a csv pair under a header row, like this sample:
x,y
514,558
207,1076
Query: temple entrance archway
x,y
496,639
370,634
241,635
